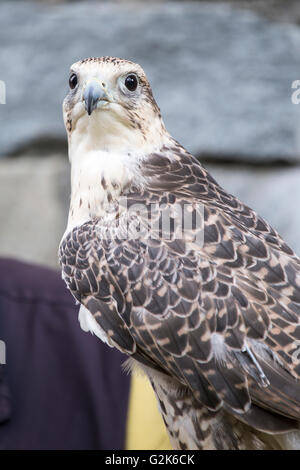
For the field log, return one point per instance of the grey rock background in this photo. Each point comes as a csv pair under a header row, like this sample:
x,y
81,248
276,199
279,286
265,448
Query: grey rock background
x,y
285,11
221,74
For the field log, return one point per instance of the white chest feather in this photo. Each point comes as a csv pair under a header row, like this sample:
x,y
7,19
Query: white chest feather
x,y
89,324
97,178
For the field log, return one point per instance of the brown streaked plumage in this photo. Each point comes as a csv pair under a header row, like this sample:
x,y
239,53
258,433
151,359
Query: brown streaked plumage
x,y
212,316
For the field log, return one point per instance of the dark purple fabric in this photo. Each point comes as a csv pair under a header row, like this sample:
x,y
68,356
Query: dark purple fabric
x,y
67,389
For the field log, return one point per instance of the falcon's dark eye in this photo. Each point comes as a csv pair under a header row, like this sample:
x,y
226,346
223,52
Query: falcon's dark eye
x,y
131,82
73,81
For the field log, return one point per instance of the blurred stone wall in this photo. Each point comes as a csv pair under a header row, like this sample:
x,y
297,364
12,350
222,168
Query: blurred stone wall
x,y
33,207
221,74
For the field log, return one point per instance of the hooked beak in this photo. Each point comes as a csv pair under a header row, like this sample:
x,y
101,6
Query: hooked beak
x,y
93,93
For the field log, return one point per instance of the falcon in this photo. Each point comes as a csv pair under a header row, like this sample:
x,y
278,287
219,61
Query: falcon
x,y
209,312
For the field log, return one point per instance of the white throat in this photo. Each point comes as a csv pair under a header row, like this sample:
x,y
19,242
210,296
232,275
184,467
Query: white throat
x,y
97,178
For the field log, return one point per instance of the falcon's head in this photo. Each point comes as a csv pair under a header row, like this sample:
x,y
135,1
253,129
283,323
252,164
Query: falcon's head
x,y
110,106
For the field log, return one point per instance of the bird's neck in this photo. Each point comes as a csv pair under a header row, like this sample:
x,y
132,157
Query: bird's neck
x,y
100,174
97,179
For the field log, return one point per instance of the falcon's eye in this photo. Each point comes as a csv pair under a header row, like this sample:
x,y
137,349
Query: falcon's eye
x,y
131,82
73,81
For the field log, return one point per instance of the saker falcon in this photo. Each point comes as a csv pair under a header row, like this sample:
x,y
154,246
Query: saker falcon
x,y
211,313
